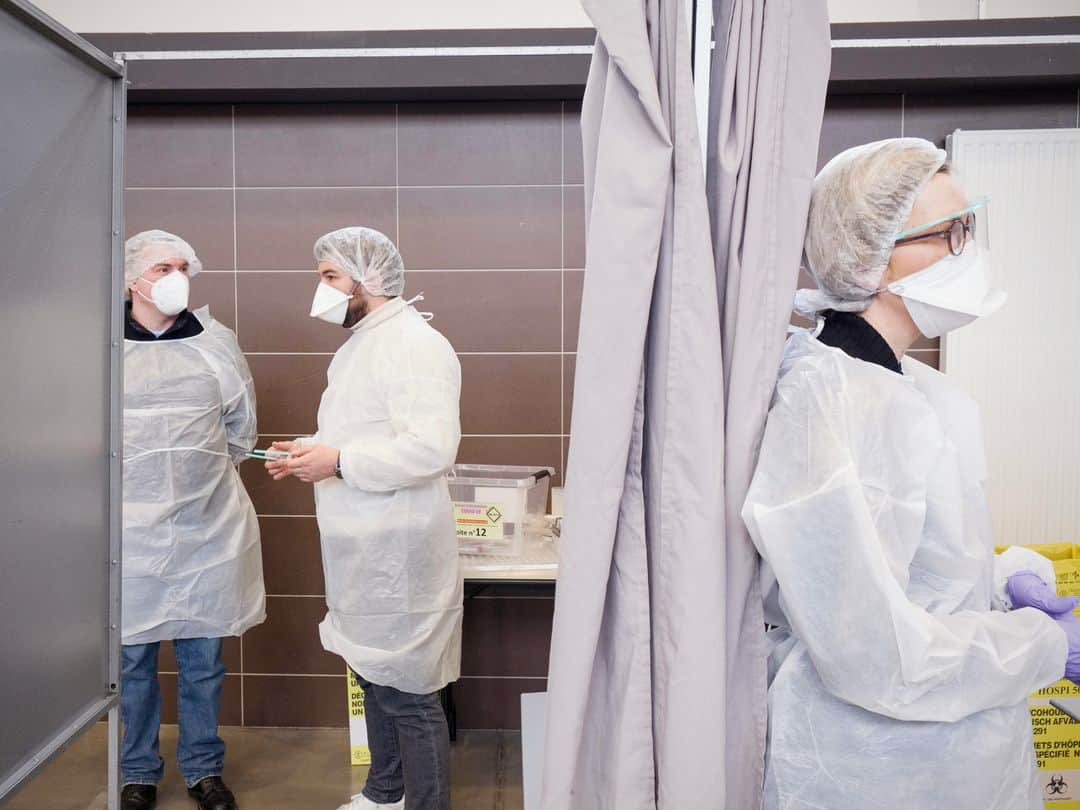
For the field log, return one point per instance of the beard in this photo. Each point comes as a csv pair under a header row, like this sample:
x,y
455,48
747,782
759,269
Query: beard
x,y
358,308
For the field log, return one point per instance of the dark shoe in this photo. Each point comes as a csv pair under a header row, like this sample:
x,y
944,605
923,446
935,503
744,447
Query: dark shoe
x,y
211,794
138,797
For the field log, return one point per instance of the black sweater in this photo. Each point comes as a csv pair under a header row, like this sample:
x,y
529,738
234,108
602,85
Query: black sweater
x,y
186,325
855,337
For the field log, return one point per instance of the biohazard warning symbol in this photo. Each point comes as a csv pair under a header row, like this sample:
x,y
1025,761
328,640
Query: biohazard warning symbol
x,y
1057,785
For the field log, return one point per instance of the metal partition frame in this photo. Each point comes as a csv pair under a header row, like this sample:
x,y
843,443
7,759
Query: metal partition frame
x,y
37,732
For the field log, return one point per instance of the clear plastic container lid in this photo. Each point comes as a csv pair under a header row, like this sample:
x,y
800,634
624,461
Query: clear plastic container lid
x,y
498,475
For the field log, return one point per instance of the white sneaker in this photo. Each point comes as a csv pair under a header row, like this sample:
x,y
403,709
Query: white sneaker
x,y
362,802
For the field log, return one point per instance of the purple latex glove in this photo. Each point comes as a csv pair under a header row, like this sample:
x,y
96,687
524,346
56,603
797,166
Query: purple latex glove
x,y
1071,625
1026,589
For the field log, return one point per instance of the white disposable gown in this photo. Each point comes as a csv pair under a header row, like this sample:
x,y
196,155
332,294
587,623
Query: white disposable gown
x,y
892,682
192,562
393,579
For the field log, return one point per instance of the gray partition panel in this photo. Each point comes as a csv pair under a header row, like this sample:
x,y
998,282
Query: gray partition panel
x,y
61,119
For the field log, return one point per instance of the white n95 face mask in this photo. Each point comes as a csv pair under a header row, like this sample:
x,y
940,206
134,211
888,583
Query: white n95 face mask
x,y
950,293
330,304
170,293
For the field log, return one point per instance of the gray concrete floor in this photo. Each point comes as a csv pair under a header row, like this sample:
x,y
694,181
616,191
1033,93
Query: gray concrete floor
x,y
279,769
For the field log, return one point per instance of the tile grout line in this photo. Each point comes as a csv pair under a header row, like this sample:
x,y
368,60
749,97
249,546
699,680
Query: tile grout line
x,y
242,677
484,435
323,596
515,598
236,323
333,675
397,181
562,292
348,188
471,598
430,270
459,354
236,262
503,677
293,675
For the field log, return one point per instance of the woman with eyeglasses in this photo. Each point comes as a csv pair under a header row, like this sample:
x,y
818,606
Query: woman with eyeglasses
x,y
902,648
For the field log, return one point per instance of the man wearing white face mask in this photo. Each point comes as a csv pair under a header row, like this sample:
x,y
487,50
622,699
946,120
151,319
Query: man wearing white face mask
x,y
192,564
903,649
388,433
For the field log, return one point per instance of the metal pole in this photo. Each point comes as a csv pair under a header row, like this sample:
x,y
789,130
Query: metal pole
x,y
115,406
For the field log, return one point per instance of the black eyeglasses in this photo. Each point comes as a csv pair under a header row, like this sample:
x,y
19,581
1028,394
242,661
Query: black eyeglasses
x,y
959,231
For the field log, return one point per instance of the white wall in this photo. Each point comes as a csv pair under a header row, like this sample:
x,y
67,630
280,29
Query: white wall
x,y
886,10
94,16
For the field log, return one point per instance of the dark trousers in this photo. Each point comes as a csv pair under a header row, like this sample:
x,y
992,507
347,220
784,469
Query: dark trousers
x,y
410,748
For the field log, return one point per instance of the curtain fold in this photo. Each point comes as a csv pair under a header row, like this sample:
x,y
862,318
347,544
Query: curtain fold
x,y
768,79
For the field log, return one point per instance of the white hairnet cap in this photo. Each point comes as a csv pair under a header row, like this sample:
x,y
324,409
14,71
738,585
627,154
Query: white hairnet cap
x,y
144,250
861,199
367,255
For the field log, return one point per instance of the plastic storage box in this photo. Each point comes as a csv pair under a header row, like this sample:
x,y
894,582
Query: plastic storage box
x,y
496,507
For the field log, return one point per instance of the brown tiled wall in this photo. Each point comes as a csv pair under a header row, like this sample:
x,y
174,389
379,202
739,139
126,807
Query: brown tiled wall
x,y
485,201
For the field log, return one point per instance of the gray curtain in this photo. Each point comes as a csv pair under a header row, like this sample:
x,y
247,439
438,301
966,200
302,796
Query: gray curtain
x,y
656,690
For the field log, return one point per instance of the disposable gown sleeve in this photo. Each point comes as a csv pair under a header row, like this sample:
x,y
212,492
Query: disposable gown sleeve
x,y
422,385
843,593
238,395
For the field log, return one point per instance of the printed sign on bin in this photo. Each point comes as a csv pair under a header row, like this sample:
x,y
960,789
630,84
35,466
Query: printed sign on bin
x,y
359,752
478,521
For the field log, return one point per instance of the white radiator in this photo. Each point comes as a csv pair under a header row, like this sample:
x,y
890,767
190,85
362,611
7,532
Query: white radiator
x,y
1023,364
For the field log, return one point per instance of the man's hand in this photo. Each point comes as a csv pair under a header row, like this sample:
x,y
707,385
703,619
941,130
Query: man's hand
x,y
313,463
279,469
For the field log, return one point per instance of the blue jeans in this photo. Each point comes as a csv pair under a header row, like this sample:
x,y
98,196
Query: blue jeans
x,y
201,752
410,748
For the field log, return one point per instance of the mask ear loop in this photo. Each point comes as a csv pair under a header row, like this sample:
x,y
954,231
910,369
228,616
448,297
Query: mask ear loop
x,y
427,316
140,292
